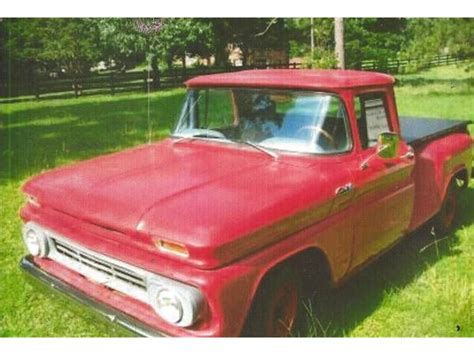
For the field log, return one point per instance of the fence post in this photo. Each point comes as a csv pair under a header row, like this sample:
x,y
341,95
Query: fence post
x,y
145,79
112,84
36,86
74,87
156,79
184,74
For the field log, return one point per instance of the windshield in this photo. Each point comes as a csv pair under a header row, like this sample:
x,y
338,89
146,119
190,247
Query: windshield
x,y
296,121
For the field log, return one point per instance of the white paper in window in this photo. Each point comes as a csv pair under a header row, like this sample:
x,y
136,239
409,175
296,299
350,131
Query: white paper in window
x,y
376,119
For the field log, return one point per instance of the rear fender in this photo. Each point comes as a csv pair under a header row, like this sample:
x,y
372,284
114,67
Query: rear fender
x,y
459,170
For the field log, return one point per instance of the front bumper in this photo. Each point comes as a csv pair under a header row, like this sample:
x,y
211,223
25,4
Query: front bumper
x,y
120,321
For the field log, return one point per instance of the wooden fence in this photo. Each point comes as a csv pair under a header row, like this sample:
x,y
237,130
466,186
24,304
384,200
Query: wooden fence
x,y
396,66
115,82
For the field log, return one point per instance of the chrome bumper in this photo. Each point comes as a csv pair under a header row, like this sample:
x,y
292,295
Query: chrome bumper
x,y
47,283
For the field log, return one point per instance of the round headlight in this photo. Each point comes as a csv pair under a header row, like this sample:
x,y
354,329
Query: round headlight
x,y
173,301
35,241
168,306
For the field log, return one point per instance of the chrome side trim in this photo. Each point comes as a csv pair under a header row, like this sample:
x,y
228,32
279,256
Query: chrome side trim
x,y
342,190
121,321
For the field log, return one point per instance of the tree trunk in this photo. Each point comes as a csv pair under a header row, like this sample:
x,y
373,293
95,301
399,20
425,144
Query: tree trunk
x,y
339,39
245,56
221,56
312,39
183,60
155,73
169,61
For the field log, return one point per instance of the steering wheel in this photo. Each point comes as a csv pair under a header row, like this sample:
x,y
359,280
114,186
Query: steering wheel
x,y
314,129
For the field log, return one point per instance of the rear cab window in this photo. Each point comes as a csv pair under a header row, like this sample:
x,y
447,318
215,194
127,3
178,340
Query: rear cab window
x,y
372,117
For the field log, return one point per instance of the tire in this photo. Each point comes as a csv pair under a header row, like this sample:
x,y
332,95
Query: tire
x,y
277,306
445,220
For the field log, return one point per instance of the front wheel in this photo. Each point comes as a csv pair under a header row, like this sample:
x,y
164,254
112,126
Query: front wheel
x,y
276,309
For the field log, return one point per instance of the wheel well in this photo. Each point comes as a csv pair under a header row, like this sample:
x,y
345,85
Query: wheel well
x,y
311,264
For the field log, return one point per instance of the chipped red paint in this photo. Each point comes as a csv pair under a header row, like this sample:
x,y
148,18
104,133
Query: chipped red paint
x,y
258,211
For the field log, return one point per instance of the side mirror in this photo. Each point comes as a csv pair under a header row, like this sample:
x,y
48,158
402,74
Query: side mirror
x,y
387,148
387,145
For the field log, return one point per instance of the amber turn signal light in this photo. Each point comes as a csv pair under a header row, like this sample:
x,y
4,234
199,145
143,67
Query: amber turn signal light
x,y
172,247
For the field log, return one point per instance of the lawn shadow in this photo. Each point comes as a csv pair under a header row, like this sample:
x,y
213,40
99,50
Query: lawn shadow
x,y
45,137
339,311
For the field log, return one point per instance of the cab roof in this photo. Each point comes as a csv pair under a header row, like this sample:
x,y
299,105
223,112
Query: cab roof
x,y
293,79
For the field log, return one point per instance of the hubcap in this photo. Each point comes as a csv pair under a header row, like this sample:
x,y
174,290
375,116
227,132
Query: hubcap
x,y
282,311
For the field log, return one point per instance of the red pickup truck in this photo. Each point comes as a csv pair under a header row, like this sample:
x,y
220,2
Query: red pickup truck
x,y
272,182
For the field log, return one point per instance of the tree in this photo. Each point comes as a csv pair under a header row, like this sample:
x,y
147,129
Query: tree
x,y
372,38
72,43
247,34
122,42
339,39
40,46
21,48
52,44
180,37
302,33
428,37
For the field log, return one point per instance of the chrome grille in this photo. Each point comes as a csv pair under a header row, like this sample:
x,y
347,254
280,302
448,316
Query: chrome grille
x,y
98,264
99,268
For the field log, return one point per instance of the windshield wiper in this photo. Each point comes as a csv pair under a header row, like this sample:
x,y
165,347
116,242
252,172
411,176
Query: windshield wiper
x,y
260,148
205,136
197,136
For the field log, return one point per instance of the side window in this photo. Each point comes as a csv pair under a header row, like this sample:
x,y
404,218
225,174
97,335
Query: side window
x,y
372,117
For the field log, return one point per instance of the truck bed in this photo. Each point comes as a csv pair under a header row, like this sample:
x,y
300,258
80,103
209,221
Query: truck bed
x,y
418,130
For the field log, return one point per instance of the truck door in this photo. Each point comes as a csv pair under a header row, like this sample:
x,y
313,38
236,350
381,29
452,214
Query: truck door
x,y
383,189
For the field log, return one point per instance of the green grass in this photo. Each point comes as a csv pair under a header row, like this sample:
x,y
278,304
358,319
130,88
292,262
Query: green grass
x,y
39,135
413,290
444,92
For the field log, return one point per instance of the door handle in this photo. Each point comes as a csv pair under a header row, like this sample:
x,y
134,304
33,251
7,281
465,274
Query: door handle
x,y
342,190
408,155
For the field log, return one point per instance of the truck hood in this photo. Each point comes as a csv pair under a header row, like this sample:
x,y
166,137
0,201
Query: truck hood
x,y
220,202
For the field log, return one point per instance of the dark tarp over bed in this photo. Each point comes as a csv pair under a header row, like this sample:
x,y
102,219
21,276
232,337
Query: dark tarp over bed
x,y
416,131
